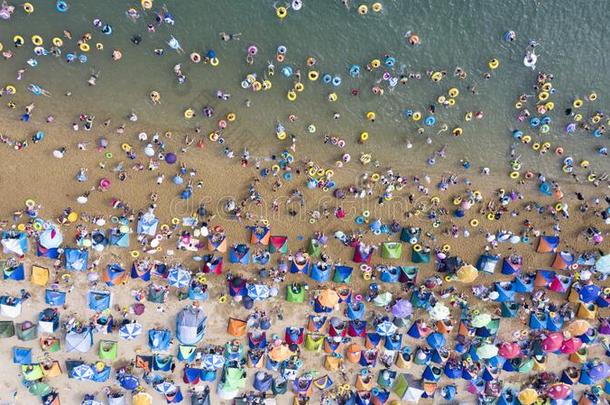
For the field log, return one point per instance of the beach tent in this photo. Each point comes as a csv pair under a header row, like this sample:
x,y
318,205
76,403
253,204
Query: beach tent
x,y
108,350
487,263
157,293
238,287
212,264
7,329
141,269
527,396
201,398
547,244
313,342
295,293
98,240
300,263
116,398
239,254
343,274
32,372
407,388
389,274
278,244
76,259
179,277
391,250
217,242
356,310
159,339
54,298
49,242
198,291
232,380
22,355
40,276
162,363
467,273
99,300
186,353
48,320
410,235
236,327
191,324
320,272
118,238
10,307
260,235
408,274
383,299
512,264
79,340
563,260
420,254
15,243
363,253
147,224
114,274
314,248
12,271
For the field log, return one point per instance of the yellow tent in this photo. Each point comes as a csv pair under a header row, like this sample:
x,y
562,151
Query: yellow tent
x,y
528,396
142,398
467,273
279,353
40,275
578,327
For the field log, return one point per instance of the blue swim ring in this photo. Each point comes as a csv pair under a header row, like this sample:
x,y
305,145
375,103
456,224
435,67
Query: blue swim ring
x,y
430,121
336,81
517,134
407,114
354,70
287,71
70,57
82,58
360,220
545,119
534,122
288,176
389,61
61,6
327,78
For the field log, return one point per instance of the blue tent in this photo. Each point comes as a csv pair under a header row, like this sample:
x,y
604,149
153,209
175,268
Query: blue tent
x,y
147,224
117,238
101,375
99,300
320,272
159,339
343,274
505,290
54,298
589,293
15,243
389,274
239,254
436,340
48,320
22,355
15,272
487,263
356,310
128,381
191,323
76,259
162,363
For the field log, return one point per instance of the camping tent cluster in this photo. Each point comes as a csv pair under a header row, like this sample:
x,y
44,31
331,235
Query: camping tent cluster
x,y
398,324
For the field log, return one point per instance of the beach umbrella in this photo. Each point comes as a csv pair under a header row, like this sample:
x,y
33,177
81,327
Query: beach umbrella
x,y
552,342
467,273
89,400
51,238
213,361
570,345
487,351
328,298
439,312
279,353
82,372
179,277
402,309
386,328
602,265
130,331
559,391
383,299
509,350
481,320
528,396
258,291
589,293
129,382
578,327
436,340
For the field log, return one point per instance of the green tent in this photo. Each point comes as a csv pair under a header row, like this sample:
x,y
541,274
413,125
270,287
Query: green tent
x,y
7,329
108,350
409,272
391,250
407,388
509,309
39,389
156,294
27,331
314,249
419,254
313,342
234,379
295,293
32,372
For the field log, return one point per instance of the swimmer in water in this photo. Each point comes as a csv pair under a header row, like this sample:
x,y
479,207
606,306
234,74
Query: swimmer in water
x,y
136,39
175,45
226,37
93,77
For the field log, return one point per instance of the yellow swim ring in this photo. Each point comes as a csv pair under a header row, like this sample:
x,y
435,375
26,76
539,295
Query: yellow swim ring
x,y
231,117
37,40
58,42
189,113
281,135
377,7
454,92
363,9
313,75
364,136
436,76
18,40
543,96
281,12
299,87
84,47
291,95
28,8
493,64
214,62
577,103
146,4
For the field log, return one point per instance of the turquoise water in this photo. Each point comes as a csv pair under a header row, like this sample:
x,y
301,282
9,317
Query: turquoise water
x,y
453,33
